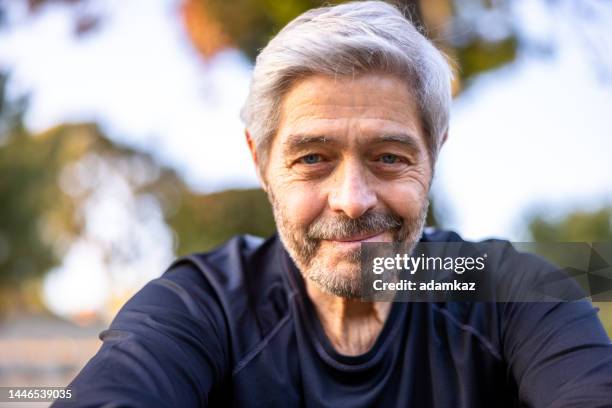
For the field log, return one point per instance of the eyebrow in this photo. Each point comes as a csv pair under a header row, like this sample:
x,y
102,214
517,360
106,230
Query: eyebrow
x,y
297,142
405,139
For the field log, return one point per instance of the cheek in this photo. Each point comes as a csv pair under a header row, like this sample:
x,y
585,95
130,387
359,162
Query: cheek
x,y
405,199
302,204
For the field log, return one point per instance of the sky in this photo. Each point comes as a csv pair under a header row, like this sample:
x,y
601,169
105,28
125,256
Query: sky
x,y
535,133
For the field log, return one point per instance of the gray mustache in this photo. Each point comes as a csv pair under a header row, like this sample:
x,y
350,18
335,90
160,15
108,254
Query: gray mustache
x,y
343,227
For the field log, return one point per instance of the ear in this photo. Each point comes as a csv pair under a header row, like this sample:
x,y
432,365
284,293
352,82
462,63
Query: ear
x,y
251,144
253,150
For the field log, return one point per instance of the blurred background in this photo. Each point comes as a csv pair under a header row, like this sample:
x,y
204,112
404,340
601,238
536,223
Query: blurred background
x,y
121,146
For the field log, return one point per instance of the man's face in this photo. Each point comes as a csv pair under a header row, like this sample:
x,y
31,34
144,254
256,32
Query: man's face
x,y
348,164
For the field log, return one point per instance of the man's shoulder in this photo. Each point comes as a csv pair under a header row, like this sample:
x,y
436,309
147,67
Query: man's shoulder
x,y
243,277
211,275
231,288
434,234
216,279
232,266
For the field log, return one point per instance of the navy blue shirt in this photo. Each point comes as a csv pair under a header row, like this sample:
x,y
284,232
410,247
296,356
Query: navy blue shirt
x,y
234,327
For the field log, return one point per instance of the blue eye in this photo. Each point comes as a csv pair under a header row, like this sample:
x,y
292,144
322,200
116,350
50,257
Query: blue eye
x,y
311,159
389,158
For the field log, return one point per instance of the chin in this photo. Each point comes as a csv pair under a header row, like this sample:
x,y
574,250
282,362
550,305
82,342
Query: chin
x,y
337,277
346,270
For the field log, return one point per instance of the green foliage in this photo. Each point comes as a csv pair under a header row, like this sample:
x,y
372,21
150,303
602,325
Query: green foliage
x,y
250,24
40,215
25,189
202,222
479,56
578,226
22,252
47,178
37,217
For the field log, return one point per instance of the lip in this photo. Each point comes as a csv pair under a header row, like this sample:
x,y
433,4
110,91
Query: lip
x,y
360,239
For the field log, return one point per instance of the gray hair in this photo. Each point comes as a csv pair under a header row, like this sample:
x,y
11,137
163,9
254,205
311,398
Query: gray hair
x,y
348,39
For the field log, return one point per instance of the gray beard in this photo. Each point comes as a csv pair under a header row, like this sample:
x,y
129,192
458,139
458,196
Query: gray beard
x,y
303,244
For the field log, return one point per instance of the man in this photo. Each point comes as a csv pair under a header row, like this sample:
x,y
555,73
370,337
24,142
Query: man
x,y
347,111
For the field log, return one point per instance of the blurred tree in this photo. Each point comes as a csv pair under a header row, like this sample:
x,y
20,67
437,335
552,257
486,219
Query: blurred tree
x,y
18,235
249,24
578,226
46,182
21,248
202,222
246,24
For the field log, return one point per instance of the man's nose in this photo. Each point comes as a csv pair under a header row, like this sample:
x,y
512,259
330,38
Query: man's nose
x,y
352,193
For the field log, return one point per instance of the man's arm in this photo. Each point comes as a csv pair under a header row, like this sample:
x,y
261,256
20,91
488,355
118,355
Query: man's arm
x,y
165,348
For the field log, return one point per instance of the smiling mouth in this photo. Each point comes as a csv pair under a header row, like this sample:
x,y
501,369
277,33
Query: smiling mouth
x,y
372,237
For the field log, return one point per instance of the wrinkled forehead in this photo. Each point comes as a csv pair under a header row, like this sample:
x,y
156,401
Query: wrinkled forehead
x,y
344,110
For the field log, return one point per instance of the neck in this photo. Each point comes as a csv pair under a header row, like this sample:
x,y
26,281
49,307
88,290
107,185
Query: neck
x,y
352,326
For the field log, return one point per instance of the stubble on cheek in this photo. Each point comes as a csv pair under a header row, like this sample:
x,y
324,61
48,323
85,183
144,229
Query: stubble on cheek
x,y
294,237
